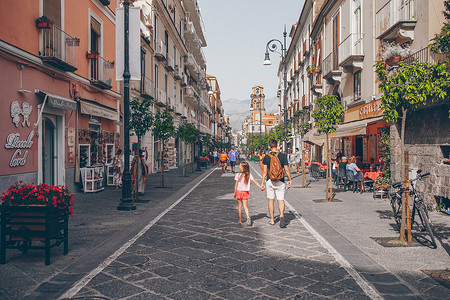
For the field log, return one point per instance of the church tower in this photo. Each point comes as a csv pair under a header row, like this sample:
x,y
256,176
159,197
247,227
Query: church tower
x,y
257,103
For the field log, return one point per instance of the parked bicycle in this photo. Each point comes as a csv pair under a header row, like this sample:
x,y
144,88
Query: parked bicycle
x,y
424,223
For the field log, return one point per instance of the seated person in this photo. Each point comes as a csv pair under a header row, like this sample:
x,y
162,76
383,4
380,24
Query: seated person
x,y
373,165
351,166
343,163
381,165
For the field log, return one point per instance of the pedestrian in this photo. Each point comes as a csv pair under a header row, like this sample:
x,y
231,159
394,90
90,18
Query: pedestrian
x,y
233,157
117,167
298,157
275,167
262,154
216,156
242,190
138,173
223,161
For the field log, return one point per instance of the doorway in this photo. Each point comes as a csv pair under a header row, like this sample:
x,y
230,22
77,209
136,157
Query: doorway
x,y
359,147
49,152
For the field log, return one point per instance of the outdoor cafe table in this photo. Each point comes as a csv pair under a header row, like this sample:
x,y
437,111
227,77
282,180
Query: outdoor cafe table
x,y
373,175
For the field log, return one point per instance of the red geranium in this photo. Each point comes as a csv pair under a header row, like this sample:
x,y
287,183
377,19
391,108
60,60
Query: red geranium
x,y
23,194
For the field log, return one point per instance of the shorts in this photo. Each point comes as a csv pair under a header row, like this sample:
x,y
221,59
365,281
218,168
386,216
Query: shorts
x,y
242,195
275,189
232,163
216,159
223,162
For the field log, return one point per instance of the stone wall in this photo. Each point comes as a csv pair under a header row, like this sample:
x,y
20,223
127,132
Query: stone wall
x,y
426,130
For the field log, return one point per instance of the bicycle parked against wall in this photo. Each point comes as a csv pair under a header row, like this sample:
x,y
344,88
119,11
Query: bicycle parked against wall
x,y
424,222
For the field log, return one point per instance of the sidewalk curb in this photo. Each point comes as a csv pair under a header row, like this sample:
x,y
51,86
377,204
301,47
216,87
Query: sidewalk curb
x,y
67,278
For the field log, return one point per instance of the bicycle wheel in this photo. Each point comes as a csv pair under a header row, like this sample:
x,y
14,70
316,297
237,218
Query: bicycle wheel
x,y
396,204
423,215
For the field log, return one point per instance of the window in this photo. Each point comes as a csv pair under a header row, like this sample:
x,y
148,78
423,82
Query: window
x,y
357,85
175,93
336,38
52,10
166,40
143,70
96,33
156,32
156,79
357,18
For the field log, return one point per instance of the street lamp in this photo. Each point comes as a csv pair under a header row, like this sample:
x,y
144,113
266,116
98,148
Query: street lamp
x,y
251,128
260,121
273,47
126,202
201,82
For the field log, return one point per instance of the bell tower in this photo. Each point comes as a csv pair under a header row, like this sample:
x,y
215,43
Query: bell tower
x,y
257,103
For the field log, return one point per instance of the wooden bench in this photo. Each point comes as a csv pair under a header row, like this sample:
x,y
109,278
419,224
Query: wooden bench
x,y
33,227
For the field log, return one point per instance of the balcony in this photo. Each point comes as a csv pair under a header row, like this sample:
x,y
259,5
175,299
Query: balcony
x,y
171,103
190,95
185,113
101,71
160,51
305,48
191,64
183,80
351,52
177,73
331,70
189,31
396,20
147,88
179,109
425,55
161,101
170,63
59,49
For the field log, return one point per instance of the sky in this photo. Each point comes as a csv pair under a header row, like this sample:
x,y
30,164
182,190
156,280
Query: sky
x,y
237,32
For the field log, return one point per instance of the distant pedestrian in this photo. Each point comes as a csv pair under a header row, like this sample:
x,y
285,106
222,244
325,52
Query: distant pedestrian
x,y
262,154
216,156
234,157
275,165
117,167
242,190
223,161
298,158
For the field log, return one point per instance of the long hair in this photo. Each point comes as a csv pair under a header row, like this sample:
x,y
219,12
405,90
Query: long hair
x,y
262,152
246,171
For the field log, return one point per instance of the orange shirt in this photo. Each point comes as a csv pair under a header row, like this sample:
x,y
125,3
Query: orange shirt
x,y
223,156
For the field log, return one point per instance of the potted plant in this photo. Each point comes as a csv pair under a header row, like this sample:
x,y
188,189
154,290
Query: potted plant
x,y
312,69
44,22
393,53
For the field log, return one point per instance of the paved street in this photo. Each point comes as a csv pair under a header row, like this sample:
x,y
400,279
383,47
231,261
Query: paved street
x,y
186,244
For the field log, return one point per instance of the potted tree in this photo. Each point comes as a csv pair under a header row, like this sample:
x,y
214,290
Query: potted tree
x,y
393,53
44,23
163,129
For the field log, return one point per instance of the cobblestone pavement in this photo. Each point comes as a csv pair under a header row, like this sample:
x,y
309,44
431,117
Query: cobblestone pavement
x,y
198,251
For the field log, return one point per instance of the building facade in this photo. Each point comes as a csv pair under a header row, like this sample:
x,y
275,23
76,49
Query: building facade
x,y
332,52
60,99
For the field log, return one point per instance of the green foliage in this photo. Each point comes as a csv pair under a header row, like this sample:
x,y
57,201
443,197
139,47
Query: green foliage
x,y
187,133
277,133
441,42
163,127
300,121
410,86
253,141
328,114
141,117
206,141
385,147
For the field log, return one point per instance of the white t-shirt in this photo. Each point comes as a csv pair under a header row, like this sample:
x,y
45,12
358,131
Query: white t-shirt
x,y
240,178
215,153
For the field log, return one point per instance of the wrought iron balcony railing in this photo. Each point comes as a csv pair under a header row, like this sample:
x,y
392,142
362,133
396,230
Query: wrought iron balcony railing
x,y
101,71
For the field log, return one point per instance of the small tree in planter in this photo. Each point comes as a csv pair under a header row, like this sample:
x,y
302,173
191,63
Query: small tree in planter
x,y
328,115
187,133
405,90
163,129
141,116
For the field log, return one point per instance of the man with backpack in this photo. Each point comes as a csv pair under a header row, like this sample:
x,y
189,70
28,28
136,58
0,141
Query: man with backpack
x,y
275,164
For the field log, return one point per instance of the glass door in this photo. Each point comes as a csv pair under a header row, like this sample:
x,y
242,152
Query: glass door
x,y
48,151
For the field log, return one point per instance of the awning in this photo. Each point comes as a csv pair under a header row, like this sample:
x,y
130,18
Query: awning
x,y
354,128
98,111
313,137
58,102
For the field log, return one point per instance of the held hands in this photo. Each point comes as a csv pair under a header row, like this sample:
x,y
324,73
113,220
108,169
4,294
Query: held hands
x,y
263,187
289,184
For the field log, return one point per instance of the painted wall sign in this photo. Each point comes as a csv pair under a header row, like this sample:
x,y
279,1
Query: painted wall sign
x,y
371,109
13,141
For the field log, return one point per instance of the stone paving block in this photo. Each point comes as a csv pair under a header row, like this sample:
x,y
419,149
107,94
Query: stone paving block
x,y
212,285
189,294
273,274
146,296
297,282
161,286
168,271
325,289
279,291
118,289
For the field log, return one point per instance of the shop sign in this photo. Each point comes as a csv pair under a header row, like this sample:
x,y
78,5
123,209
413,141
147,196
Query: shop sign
x,y
13,140
371,109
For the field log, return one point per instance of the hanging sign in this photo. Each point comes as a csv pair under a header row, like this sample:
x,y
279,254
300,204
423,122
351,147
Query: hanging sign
x,y
13,141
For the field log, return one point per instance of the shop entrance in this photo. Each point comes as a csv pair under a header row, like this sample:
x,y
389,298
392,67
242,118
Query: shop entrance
x,y
49,152
359,147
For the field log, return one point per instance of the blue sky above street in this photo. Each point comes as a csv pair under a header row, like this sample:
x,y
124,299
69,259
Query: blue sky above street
x,y
237,32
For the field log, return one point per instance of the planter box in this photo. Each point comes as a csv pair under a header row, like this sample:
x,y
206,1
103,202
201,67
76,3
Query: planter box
x,y
25,227
44,24
91,55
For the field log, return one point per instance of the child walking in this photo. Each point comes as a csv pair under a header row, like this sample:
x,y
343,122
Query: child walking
x,y
242,190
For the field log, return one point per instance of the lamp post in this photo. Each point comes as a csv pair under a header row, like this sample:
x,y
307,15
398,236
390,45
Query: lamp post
x,y
198,136
273,47
251,129
260,121
126,202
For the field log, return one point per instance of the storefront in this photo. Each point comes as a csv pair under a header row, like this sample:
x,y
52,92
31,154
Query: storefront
x,y
360,133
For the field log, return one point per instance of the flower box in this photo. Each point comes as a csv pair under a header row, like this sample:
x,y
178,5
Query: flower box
x,y
91,55
35,217
44,24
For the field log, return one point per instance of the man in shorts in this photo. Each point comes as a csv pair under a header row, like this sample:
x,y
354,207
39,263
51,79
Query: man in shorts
x,y
234,156
276,188
216,156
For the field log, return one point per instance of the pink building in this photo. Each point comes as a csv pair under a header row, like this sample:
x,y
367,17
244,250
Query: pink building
x,y
59,107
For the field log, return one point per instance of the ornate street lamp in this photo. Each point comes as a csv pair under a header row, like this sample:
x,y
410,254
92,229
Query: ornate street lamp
x,y
272,46
126,202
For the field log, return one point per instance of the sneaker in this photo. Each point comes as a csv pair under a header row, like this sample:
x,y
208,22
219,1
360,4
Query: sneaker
x,y
282,223
249,221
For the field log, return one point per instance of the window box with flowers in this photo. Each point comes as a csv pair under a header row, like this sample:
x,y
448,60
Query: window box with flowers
x,y
91,55
35,217
44,23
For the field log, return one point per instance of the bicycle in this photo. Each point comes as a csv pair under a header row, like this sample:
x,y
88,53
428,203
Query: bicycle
x,y
418,206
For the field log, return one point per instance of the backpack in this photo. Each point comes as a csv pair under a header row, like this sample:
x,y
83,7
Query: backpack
x,y
275,169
